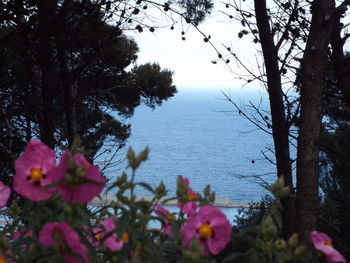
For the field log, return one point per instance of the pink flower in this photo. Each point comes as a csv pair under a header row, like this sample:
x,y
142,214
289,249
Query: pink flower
x,y
210,227
96,236
33,171
166,217
322,242
79,180
66,239
190,206
111,241
19,232
4,194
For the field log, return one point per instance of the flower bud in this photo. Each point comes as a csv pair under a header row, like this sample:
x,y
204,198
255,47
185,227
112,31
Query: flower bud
x,y
124,177
212,197
75,148
181,191
160,190
300,250
207,190
293,240
131,159
280,244
280,182
104,212
284,191
279,190
271,230
268,221
277,186
268,228
143,156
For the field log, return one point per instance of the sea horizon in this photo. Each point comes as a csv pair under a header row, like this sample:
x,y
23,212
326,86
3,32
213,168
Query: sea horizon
x,y
199,135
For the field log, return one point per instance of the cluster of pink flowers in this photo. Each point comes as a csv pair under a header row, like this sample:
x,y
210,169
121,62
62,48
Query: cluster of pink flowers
x,y
74,177
108,235
207,224
76,180
113,242
38,178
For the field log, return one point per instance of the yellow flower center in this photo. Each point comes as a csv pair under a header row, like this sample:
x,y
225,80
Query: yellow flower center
x,y
2,259
170,216
36,174
98,236
191,196
125,238
205,231
328,243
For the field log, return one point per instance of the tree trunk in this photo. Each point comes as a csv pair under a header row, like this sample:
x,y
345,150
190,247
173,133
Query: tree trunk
x,y
342,72
66,78
46,13
68,85
312,72
280,127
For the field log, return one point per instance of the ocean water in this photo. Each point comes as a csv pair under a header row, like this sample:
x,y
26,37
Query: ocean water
x,y
199,135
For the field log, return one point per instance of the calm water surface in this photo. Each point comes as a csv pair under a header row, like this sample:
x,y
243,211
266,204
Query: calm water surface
x,y
198,135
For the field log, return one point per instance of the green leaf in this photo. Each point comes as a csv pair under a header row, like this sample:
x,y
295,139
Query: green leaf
x,y
175,229
252,256
232,257
123,199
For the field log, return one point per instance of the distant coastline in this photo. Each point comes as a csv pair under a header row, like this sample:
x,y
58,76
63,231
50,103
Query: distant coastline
x,y
219,202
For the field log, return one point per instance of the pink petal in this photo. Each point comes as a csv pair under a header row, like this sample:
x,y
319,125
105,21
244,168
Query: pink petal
x,y
46,237
335,257
4,194
189,207
84,192
318,240
111,242
162,213
109,224
70,237
219,223
186,181
37,155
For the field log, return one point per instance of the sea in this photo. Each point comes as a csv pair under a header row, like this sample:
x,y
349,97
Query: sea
x,y
200,135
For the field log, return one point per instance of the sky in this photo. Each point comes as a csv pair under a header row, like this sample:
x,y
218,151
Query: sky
x,y
190,60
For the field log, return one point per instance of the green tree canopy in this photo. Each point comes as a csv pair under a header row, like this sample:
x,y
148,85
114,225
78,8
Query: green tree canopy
x,y
62,58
